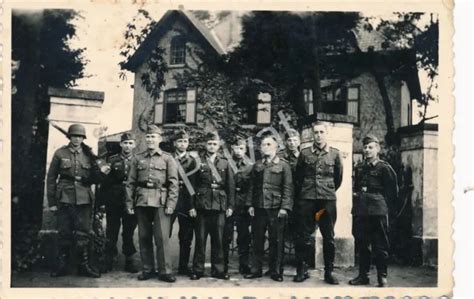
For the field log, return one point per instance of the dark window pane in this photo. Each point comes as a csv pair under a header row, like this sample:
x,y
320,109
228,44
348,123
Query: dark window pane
x,y
178,50
175,106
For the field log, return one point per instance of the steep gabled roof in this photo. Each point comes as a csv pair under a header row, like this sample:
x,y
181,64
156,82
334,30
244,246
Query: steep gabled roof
x,y
163,25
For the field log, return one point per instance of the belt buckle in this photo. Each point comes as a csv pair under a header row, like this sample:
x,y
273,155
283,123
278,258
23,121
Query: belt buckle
x,y
78,178
237,189
150,184
364,189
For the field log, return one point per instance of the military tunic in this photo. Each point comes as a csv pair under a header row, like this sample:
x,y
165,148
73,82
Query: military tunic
x,y
184,204
375,190
112,194
319,175
240,217
152,186
215,191
272,190
70,176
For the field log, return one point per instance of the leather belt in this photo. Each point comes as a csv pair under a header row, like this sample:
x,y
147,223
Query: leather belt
x,y
148,185
367,189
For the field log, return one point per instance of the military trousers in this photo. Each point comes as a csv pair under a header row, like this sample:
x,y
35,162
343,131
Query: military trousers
x,y
74,223
154,224
268,220
371,235
242,221
185,236
116,217
306,223
209,222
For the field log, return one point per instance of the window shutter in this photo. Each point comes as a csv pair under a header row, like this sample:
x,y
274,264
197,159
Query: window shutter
x,y
159,109
264,108
308,99
191,105
353,96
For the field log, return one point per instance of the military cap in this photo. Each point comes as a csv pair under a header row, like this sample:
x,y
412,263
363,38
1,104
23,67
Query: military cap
x,y
127,136
269,134
291,133
211,136
370,138
153,129
181,134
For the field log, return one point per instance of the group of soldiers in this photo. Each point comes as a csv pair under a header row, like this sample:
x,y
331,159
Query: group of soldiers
x,y
292,190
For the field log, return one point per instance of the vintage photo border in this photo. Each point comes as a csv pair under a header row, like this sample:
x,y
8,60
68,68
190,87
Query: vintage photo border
x,y
445,152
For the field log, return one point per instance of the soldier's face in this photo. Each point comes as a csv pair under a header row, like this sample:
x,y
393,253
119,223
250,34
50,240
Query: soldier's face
x,y
293,143
76,140
371,150
320,134
212,146
268,146
153,140
181,145
238,151
127,146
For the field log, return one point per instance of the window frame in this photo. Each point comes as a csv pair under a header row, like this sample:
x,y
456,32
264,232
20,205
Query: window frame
x,y
177,43
165,105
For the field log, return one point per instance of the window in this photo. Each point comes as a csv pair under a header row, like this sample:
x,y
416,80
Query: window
x,y
178,50
176,106
335,99
264,109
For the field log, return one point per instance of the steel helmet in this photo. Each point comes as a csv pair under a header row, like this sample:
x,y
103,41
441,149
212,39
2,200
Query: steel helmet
x,y
76,129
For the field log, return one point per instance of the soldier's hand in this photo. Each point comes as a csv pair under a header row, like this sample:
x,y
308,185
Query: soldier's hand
x,y
282,213
169,211
105,169
130,211
53,208
192,213
252,211
228,213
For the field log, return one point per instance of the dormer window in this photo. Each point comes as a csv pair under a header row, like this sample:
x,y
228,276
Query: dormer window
x,y
178,50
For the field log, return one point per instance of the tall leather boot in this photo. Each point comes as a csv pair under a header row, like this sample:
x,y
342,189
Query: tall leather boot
x,y
328,275
301,272
382,276
130,265
364,271
183,268
84,268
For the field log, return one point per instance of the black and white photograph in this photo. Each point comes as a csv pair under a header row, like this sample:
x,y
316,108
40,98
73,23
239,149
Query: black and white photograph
x,y
247,147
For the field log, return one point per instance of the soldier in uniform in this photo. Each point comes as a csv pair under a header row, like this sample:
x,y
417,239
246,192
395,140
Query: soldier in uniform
x,y
240,217
292,151
319,175
271,200
152,193
214,201
112,196
375,190
186,222
71,173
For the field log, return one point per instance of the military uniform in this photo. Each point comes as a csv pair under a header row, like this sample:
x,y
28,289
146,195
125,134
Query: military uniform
x,y
240,217
152,186
113,195
272,190
186,223
375,190
71,173
319,175
215,191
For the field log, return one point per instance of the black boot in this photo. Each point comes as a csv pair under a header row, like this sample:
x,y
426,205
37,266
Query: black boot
x,y
330,278
84,268
60,269
183,268
301,273
130,265
109,263
382,276
361,279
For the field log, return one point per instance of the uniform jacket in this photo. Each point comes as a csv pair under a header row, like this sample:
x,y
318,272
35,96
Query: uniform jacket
x,y
112,189
290,158
242,185
152,181
215,185
272,185
70,176
188,164
318,173
375,189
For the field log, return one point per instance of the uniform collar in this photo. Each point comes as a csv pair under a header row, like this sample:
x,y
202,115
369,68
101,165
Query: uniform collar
x,y
373,163
126,157
275,159
180,155
315,148
290,153
153,152
212,158
75,150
